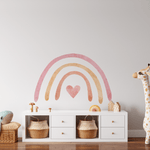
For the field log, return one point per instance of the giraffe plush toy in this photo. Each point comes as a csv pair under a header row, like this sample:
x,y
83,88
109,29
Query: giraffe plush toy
x,y
143,76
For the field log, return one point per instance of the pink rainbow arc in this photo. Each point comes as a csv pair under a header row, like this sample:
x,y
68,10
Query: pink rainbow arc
x,y
38,87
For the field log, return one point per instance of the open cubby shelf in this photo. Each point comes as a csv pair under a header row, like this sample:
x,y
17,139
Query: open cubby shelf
x,y
81,117
112,127
30,118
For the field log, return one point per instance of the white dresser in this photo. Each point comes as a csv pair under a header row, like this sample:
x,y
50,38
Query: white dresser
x,y
112,126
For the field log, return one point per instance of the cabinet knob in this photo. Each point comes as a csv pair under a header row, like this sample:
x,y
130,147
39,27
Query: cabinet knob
x,y
62,121
113,133
62,133
112,121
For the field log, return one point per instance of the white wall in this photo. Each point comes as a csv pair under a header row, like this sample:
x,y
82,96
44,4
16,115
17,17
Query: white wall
x,y
114,33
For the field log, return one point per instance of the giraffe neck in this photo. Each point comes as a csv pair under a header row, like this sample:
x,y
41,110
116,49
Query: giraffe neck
x,y
146,87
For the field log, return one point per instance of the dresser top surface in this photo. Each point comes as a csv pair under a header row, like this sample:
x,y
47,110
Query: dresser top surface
x,y
73,112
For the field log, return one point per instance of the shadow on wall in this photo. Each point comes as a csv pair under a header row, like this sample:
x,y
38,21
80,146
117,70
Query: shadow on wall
x,y
135,120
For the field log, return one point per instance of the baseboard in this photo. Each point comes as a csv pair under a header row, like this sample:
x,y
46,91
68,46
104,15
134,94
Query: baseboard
x,y
136,133
131,133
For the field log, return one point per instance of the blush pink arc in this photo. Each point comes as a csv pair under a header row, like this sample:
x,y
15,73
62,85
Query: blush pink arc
x,y
90,96
38,87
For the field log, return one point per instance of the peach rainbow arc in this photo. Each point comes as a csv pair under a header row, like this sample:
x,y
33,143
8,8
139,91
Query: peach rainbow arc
x,y
37,90
96,81
57,95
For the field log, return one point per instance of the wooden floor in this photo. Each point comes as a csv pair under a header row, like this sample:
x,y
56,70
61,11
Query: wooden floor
x,y
133,144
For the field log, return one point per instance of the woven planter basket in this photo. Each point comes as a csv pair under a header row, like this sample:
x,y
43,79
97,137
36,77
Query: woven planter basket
x,y
38,129
87,129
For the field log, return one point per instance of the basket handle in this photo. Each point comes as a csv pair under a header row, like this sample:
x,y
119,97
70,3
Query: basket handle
x,y
36,118
88,116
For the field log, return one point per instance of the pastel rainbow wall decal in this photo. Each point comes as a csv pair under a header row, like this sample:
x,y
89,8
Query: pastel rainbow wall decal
x,y
38,87
57,95
96,81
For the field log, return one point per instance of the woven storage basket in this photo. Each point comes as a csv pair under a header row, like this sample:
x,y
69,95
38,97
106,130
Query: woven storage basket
x,y
9,136
38,129
87,134
87,129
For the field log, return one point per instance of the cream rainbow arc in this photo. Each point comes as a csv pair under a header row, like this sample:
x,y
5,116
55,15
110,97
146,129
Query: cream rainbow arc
x,y
38,87
94,77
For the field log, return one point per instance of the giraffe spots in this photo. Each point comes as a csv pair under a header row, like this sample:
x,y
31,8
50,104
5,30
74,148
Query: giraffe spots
x,y
146,142
147,112
147,118
149,95
144,76
146,89
144,79
147,99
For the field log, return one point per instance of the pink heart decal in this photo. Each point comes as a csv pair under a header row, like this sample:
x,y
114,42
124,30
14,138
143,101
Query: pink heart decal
x,y
73,91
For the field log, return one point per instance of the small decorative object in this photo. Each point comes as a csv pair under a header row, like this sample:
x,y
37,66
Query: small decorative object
x,y
50,109
117,107
31,106
36,108
143,76
38,129
87,129
111,106
95,108
5,117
